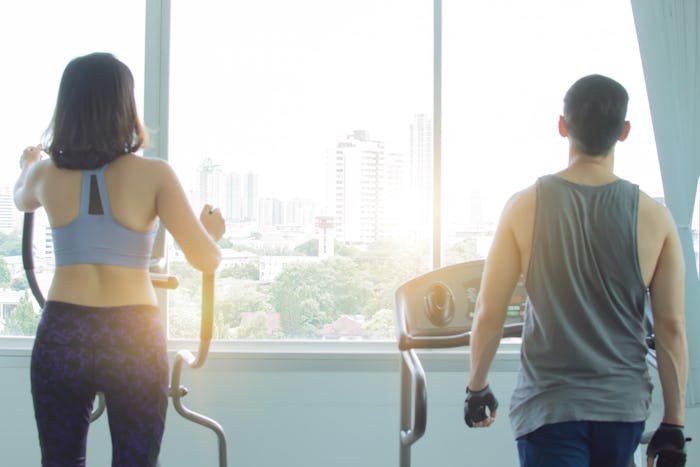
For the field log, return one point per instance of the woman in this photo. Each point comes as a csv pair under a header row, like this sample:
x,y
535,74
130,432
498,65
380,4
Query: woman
x,y
100,328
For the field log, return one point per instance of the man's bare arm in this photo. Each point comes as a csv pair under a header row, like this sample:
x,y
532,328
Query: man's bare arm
x,y
500,276
667,291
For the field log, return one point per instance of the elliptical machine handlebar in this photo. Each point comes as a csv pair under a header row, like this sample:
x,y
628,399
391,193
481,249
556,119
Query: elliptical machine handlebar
x,y
184,356
28,257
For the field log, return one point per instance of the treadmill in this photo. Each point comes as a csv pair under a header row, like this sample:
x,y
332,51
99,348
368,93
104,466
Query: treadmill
x,y
435,311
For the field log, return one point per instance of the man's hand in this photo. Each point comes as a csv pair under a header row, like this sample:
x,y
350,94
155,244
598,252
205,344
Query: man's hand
x,y
668,443
475,408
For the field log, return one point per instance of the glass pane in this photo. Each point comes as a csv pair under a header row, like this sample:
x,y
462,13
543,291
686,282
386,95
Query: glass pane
x,y
46,36
303,121
507,65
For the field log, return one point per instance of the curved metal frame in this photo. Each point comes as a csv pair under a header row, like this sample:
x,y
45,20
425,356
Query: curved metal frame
x,y
177,391
183,356
414,404
414,398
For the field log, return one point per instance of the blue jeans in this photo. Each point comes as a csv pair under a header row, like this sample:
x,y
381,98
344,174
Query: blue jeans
x,y
580,444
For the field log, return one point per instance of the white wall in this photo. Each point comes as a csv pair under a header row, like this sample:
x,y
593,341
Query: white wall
x,y
301,410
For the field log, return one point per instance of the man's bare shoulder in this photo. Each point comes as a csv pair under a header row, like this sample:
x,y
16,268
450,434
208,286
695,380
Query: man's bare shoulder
x,y
654,214
521,205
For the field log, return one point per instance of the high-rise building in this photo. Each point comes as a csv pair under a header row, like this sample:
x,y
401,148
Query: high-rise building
x,y
421,176
270,212
299,212
212,186
250,197
9,216
367,182
234,196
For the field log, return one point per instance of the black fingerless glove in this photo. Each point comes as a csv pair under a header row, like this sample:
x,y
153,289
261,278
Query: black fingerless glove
x,y
475,405
668,443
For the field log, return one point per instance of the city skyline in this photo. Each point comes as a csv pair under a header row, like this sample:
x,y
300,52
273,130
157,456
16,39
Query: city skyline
x,y
370,192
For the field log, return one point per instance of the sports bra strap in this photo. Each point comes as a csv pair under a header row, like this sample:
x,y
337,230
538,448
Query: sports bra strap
x,y
93,193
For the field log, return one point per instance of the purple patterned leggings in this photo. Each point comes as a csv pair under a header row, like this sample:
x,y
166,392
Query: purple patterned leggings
x,y
119,351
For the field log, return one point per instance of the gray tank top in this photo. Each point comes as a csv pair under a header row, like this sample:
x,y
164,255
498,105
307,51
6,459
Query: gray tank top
x,y
583,351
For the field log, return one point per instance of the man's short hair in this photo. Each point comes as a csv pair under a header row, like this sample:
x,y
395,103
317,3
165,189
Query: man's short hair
x,y
595,107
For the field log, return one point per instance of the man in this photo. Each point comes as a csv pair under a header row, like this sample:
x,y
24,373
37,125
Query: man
x,y
589,246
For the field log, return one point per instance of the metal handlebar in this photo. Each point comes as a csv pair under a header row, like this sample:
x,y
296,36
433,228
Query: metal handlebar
x,y
413,387
414,400
28,257
177,391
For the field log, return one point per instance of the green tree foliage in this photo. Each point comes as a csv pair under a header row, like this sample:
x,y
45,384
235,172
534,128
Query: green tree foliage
x,y
256,329
465,250
5,276
23,321
308,248
310,295
185,303
241,271
19,283
225,243
188,277
388,264
238,296
382,324
10,244
342,249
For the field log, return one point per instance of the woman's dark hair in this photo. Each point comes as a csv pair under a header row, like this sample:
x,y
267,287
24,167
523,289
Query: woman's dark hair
x,y
594,112
95,120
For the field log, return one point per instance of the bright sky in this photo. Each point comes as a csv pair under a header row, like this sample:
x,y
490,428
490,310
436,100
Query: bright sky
x,y
271,86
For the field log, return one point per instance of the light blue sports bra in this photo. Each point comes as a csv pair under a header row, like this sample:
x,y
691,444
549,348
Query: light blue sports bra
x,y
95,237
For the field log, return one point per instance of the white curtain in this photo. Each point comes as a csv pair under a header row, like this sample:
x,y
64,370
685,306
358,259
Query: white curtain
x,y
669,44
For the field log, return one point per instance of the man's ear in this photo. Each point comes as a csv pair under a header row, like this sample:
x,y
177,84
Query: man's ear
x,y
625,131
562,127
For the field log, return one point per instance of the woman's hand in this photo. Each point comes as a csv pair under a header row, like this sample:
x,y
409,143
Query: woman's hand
x,y
30,155
213,221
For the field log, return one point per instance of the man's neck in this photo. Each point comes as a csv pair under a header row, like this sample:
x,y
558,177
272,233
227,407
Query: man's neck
x,y
590,170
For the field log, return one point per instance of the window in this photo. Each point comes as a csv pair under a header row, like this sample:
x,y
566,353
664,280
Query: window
x,y
309,123
45,35
506,67
302,121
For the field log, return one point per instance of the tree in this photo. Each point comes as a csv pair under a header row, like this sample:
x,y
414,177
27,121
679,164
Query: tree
x,y
10,244
466,250
382,324
5,276
389,263
241,271
308,248
237,296
184,303
225,243
256,329
19,283
23,321
310,295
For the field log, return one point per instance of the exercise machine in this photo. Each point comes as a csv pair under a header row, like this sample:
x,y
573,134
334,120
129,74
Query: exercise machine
x,y
182,357
435,311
